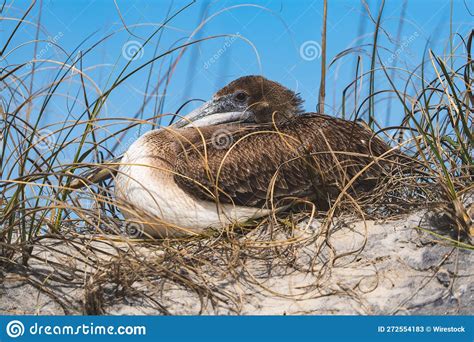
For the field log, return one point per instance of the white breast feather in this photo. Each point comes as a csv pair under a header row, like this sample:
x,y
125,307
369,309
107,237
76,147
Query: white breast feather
x,y
148,186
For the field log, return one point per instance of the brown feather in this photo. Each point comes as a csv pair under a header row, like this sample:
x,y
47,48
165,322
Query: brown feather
x,y
311,156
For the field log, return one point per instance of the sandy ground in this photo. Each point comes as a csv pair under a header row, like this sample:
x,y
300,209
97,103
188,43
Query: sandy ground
x,y
398,269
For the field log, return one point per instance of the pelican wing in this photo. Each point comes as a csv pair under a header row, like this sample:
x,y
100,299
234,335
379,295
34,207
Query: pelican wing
x,y
310,156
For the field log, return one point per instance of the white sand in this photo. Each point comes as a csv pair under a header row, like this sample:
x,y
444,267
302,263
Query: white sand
x,y
400,270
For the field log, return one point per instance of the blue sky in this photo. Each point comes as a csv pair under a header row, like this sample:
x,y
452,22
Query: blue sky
x,y
272,36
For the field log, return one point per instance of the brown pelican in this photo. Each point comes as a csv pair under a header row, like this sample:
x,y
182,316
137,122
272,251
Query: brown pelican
x,y
248,150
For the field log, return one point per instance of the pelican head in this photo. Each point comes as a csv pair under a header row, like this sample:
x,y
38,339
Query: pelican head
x,y
249,99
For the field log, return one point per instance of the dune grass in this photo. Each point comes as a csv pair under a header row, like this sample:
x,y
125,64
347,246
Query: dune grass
x,y
39,211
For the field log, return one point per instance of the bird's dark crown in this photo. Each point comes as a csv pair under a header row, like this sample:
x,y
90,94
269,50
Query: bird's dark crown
x,y
268,100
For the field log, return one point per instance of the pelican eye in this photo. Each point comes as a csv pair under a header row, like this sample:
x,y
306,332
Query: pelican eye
x,y
241,96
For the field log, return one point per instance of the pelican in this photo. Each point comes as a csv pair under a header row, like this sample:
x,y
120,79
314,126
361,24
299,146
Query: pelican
x,y
249,150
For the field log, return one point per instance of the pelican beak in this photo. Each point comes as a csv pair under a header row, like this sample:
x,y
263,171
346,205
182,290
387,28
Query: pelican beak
x,y
212,112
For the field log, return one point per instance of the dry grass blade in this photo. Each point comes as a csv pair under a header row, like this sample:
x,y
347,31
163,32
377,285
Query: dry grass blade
x,y
76,244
